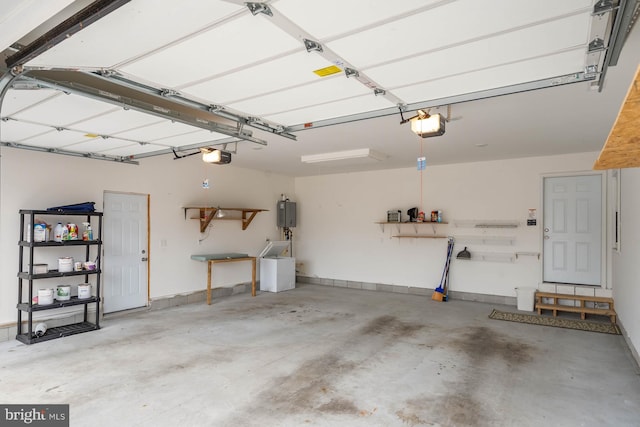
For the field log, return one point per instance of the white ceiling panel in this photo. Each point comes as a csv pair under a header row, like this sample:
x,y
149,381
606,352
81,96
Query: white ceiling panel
x,y
249,39
55,139
535,69
360,104
19,17
15,131
132,30
98,145
291,70
197,137
324,91
323,22
528,43
64,110
453,23
156,131
16,100
133,149
117,121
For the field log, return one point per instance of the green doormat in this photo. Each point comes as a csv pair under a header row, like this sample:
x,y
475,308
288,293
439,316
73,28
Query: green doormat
x,y
534,319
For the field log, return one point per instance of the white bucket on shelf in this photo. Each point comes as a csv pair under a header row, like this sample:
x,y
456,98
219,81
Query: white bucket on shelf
x,y
525,298
65,264
84,290
45,296
63,293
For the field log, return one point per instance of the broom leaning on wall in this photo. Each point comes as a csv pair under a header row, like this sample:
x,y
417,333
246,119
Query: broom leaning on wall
x,y
441,292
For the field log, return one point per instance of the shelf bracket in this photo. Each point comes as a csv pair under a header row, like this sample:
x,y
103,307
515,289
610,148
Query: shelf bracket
x,y
205,219
246,221
209,214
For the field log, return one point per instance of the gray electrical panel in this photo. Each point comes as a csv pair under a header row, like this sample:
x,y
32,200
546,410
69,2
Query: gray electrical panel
x,y
286,214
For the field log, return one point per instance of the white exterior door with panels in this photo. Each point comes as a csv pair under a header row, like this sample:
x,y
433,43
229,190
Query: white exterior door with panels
x,y
125,251
572,244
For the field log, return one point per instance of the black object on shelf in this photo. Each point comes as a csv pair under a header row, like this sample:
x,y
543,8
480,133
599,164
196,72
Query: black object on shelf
x,y
57,332
25,274
83,207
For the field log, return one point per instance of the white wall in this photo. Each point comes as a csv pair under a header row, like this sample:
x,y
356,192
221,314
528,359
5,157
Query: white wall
x,y
337,237
626,268
32,180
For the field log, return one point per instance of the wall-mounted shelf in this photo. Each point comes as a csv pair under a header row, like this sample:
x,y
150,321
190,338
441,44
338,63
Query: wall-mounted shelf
x,y
521,254
481,223
418,236
416,226
208,214
491,257
487,240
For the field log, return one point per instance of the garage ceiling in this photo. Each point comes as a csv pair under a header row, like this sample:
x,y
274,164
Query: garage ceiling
x,y
140,78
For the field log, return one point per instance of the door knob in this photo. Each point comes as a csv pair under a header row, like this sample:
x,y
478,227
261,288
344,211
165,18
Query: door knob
x,y
546,229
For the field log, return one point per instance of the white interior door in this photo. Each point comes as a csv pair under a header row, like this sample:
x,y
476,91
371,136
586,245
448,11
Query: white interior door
x,y
125,251
572,245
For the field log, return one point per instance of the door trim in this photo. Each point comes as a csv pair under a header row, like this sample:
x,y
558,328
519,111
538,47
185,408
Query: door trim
x,y
605,260
148,244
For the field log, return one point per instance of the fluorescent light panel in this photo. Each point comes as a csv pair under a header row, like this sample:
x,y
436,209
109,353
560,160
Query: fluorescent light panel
x,y
344,155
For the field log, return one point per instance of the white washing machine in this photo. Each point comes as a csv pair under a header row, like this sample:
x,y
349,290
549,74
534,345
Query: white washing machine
x,y
277,272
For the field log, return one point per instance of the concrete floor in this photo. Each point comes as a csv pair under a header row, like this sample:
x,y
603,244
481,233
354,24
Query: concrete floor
x,y
325,356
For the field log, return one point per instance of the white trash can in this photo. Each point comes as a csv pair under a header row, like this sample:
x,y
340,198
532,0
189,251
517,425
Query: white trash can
x,y
526,297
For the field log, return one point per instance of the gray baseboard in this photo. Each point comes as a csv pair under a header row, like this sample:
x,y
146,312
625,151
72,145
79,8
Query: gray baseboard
x,y
412,290
199,296
633,352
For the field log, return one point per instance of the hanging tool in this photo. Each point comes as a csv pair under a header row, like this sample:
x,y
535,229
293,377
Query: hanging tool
x,y
464,254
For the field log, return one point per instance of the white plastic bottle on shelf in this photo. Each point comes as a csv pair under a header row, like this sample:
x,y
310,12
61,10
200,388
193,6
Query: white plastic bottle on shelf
x,y
57,232
87,233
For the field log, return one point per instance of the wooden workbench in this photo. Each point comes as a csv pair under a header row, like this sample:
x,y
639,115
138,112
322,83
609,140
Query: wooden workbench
x,y
220,258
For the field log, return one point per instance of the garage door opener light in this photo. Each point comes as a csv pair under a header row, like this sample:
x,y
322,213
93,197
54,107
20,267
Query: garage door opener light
x,y
215,156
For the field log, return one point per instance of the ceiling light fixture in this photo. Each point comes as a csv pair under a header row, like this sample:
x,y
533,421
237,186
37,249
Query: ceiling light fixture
x,y
427,125
220,213
363,153
215,156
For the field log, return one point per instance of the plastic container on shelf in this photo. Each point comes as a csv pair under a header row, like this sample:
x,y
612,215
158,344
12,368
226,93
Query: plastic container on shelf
x,y
58,232
45,296
65,264
63,293
84,291
87,233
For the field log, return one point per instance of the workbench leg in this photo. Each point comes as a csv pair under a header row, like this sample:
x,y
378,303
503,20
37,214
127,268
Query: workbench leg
x,y
253,277
208,283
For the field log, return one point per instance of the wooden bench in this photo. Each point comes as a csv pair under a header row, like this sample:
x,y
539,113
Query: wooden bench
x,y
582,309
